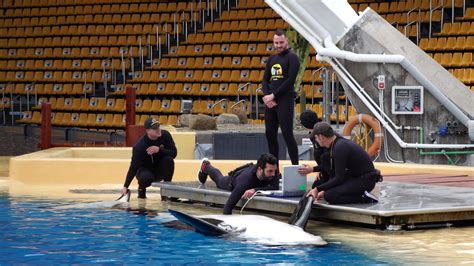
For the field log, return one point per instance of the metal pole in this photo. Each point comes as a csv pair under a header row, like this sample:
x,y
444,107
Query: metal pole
x,y
11,106
123,65
3,105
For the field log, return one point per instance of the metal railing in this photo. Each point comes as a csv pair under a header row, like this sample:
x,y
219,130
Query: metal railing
x,y
417,22
432,9
216,103
241,88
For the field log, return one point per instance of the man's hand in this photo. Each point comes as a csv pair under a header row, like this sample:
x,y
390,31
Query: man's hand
x,y
152,150
271,104
320,195
248,193
124,191
305,169
313,193
268,98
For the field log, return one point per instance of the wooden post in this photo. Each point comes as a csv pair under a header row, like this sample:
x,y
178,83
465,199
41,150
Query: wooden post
x,y
45,126
131,96
130,133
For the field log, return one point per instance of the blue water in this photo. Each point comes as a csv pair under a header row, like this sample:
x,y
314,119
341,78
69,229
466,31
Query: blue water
x,y
33,232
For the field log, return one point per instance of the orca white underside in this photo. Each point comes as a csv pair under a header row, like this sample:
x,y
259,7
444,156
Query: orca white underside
x,y
250,228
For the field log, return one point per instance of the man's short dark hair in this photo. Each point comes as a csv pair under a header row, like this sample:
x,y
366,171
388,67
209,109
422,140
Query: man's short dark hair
x,y
266,158
280,32
322,128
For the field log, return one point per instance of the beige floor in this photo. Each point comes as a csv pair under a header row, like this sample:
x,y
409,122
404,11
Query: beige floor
x,y
4,163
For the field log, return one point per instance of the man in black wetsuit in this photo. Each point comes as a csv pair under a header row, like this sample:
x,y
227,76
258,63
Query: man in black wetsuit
x,y
152,158
352,173
244,181
278,86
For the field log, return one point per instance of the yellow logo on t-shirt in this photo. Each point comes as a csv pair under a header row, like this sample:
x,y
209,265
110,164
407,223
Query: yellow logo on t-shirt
x,y
277,71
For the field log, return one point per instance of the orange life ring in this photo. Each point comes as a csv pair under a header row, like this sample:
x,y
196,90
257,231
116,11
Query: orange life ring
x,y
370,121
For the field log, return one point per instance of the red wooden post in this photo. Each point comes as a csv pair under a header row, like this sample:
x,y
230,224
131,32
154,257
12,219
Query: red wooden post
x,y
131,96
45,126
134,132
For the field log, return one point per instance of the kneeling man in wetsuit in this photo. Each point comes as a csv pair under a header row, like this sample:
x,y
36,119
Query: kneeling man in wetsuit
x,y
152,158
243,181
352,174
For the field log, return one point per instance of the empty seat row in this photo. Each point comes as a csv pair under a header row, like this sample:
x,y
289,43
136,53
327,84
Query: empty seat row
x,y
93,104
67,52
52,76
104,8
245,25
251,13
217,62
226,37
81,30
457,29
383,7
450,60
60,19
242,75
447,44
195,89
48,88
76,41
221,49
57,64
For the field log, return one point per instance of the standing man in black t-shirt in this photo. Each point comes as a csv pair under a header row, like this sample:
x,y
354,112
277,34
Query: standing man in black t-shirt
x,y
152,158
278,86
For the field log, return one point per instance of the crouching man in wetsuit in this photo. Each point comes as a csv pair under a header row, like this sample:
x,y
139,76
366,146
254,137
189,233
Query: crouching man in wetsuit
x,y
243,181
352,174
152,158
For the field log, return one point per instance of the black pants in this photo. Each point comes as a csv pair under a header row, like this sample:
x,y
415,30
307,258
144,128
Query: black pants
x,y
350,191
163,171
281,115
222,182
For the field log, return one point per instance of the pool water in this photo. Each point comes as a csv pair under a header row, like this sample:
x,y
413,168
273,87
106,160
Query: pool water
x,y
34,231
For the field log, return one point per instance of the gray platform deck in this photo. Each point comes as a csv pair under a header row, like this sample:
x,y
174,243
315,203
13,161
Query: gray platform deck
x,y
400,205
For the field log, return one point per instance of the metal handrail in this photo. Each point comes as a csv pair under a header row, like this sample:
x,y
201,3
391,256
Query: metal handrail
x,y
92,71
216,103
241,89
256,102
235,104
440,6
412,22
312,81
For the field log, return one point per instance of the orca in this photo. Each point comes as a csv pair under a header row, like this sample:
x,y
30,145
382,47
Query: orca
x,y
123,200
250,228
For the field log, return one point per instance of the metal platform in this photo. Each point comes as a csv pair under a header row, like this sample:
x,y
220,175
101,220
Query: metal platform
x,y
400,204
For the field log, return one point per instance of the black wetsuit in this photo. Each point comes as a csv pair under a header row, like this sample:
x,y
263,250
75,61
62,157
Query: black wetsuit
x,y
352,172
151,168
239,183
279,78
323,164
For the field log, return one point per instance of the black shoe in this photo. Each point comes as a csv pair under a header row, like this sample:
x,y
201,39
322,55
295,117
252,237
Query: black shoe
x,y
142,193
202,176
369,198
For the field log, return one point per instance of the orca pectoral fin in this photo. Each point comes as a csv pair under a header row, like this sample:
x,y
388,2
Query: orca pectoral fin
x,y
124,197
301,214
202,226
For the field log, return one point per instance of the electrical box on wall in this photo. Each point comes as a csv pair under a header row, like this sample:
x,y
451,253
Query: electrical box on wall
x,y
407,100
